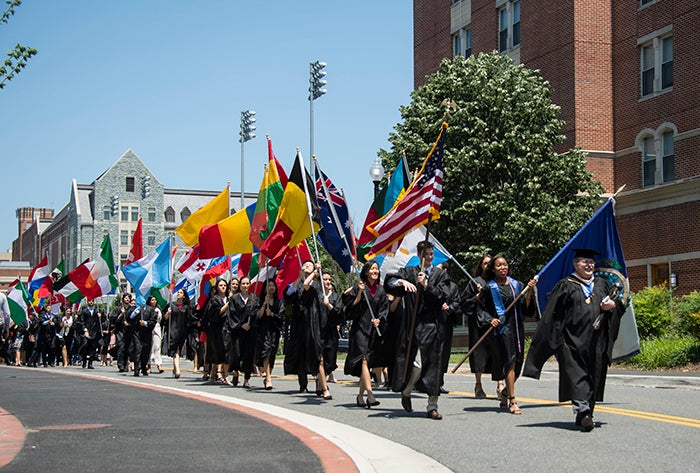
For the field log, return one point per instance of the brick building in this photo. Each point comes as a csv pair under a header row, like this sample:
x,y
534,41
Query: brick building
x,y
112,204
625,76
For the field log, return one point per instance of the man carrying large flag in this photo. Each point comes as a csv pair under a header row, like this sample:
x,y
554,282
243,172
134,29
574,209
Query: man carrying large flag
x,y
419,205
214,211
583,313
298,214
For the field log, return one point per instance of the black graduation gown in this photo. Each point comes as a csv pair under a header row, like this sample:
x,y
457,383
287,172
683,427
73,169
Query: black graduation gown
x,y
215,328
303,344
480,360
363,340
179,326
452,316
268,333
509,346
566,330
241,350
427,334
330,320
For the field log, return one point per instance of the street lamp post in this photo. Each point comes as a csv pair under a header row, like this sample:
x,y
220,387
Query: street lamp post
x,y
316,83
246,134
376,172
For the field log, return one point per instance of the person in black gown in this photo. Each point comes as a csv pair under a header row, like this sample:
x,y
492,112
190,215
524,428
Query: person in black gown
x,y
216,312
270,321
179,319
366,306
508,335
331,318
567,330
142,322
241,322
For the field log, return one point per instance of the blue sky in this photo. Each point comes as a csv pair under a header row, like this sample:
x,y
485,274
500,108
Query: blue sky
x,y
169,78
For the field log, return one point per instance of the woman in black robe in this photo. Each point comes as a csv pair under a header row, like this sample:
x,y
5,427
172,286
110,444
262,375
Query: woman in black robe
x,y
179,317
367,305
241,324
216,312
270,322
331,318
481,359
508,335
303,344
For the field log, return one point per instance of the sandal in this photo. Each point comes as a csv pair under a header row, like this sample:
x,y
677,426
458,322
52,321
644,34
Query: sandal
x,y
504,399
327,395
479,391
225,381
513,408
268,384
499,391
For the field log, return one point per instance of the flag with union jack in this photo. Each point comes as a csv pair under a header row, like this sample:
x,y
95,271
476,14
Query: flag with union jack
x,y
336,234
420,204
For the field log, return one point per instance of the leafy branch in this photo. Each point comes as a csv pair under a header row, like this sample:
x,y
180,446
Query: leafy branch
x,y
18,56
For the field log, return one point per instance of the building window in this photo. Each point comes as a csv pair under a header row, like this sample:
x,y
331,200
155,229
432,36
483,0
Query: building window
x,y
151,239
509,26
125,214
170,215
185,214
656,65
462,43
122,258
124,237
130,184
106,212
667,153
644,2
151,214
648,162
134,214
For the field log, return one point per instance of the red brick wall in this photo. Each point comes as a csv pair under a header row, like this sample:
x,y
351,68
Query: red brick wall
x,y
432,40
688,274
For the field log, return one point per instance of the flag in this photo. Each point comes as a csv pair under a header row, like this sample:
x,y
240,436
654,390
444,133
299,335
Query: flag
x,y
599,234
65,289
407,254
218,267
152,272
136,252
229,236
383,202
214,211
269,198
336,234
39,284
17,300
298,203
192,266
420,203
291,266
187,286
97,277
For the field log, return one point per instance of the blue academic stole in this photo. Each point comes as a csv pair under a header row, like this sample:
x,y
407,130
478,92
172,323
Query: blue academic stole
x,y
498,301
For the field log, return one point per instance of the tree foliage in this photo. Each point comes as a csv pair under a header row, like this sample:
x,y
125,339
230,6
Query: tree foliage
x,y
505,190
18,56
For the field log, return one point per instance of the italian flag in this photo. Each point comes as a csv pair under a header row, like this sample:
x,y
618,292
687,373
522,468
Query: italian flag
x,y
96,278
17,301
269,199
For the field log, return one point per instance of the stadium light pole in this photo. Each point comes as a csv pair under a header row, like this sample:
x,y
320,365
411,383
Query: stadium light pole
x,y
316,83
246,134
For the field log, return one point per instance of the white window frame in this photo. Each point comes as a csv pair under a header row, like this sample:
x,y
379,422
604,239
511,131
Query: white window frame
x,y
462,42
653,44
508,11
668,154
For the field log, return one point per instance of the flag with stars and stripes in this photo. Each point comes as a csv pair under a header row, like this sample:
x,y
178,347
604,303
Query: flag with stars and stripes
x,y
336,234
420,204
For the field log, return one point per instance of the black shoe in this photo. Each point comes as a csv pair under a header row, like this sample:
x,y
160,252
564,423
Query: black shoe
x,y
434,414
360,401
586,422
406,403
303,390
373,402
84,364
90,367
136,373
443,390
122,370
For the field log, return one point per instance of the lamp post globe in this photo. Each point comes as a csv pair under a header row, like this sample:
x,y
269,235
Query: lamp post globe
x,y
376,172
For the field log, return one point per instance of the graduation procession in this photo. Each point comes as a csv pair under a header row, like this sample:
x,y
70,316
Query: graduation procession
x,y
252,300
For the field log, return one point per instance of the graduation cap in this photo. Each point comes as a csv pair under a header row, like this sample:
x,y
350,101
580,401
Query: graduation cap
x,y
584,253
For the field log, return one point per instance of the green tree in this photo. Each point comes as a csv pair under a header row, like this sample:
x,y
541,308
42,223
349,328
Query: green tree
x,y
504,189
18,56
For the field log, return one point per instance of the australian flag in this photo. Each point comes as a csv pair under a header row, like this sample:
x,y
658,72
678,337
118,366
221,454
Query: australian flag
x,y
336,234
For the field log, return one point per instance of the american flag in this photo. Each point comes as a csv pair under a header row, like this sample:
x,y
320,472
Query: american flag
x,y
420,203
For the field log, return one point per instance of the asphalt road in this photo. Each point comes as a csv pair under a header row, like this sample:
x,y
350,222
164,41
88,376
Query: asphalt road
x,y
649,422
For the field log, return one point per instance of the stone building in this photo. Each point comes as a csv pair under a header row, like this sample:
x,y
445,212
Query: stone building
x,y
112,204
625,76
